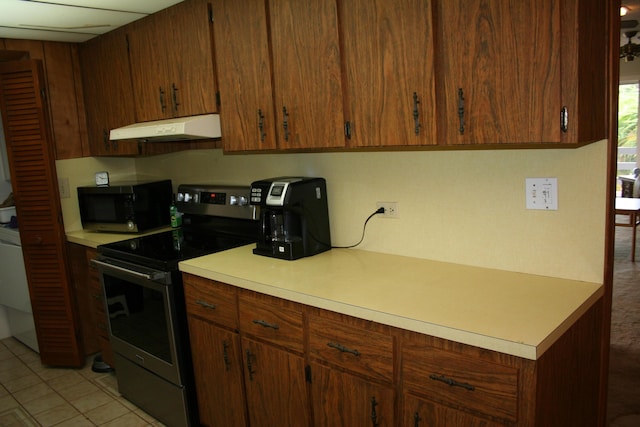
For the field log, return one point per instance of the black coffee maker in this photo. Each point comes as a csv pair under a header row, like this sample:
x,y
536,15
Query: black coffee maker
x,y
294,217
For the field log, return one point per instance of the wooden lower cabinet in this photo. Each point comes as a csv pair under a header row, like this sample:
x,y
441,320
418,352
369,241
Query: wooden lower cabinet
x,y
280,363
275,384
423,413
217,366
344,399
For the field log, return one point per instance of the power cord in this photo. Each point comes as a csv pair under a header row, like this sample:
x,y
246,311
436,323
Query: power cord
x,y
364,227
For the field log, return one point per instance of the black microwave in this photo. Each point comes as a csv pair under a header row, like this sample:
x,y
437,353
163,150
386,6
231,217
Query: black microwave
x,y
131,207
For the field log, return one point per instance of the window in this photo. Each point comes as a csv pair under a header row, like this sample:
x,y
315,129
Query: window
x,y
628,128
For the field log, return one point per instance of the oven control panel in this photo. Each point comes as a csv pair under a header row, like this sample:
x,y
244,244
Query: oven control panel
x,y
215,200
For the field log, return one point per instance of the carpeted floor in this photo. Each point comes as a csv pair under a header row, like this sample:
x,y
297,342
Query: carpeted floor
x,y
624,368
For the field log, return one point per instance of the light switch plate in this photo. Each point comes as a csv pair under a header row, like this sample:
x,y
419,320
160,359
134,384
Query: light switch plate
x,y
542,193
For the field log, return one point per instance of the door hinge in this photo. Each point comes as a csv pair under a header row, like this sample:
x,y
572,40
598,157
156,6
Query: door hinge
x,y
43,94
307,373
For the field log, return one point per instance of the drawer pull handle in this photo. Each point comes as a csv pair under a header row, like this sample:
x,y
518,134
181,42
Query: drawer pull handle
x,y
206,304
266,324
343,348
451,382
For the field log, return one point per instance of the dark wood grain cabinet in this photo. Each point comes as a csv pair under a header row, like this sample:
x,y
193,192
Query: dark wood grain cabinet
x,y
106,78
298,105
388,51
262,360
525,72
64,91
172,62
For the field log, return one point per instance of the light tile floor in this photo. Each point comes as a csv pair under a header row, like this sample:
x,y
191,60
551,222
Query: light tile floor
x,y
35,395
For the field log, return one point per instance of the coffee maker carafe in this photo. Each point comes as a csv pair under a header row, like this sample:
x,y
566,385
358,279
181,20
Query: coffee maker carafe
x,y
294,217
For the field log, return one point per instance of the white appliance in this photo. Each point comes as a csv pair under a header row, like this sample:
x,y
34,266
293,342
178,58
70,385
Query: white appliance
x,y
14,290
179,129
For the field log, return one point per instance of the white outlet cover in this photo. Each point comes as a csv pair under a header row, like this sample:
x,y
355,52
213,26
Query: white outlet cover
x,y
542,193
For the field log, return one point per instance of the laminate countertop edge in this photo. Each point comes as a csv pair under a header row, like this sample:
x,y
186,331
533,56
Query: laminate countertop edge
x,y
513,313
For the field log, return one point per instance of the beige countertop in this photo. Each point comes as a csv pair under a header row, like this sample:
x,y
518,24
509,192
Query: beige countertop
x,y
514,313
94,238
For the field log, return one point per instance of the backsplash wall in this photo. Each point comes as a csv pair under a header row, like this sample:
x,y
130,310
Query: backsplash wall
x,y
464,207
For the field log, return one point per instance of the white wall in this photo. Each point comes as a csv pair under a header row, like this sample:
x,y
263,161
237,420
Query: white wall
x,y
465,207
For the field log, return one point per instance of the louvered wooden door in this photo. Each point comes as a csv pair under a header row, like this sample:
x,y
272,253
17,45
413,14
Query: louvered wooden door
x,y
31,156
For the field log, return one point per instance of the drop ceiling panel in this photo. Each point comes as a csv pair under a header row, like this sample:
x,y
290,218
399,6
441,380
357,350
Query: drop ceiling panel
x,y
71,20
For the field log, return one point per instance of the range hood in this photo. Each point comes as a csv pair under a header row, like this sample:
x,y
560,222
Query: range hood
x,y
178,129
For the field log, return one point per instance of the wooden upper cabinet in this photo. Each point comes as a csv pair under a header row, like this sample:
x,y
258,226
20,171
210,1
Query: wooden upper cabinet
x,y
243,66
302,109
108,92
63,82
172,62
499,69
307,78
521,72
389,72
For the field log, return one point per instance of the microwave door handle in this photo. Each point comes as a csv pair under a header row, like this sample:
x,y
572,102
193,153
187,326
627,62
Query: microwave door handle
x,y
153,276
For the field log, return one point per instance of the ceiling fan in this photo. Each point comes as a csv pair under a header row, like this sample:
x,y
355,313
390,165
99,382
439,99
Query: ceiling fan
x,y
630,50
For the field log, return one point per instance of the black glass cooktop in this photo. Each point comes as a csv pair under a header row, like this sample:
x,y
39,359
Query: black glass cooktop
x,y
164,250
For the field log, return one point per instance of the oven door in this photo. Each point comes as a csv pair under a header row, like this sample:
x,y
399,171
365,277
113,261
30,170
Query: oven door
x,y
140,305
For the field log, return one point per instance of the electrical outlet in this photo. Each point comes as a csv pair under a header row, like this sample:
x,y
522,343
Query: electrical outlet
x,y
390,209
63,187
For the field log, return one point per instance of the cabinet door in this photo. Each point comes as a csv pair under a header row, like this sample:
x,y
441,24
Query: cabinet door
x,y
33,175
172,62
107,92
307,74
217,368
275,384
500,69
342,399
243,66
192,86
388,59
422,413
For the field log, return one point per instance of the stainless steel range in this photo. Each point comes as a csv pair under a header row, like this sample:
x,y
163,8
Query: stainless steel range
x,y
145,299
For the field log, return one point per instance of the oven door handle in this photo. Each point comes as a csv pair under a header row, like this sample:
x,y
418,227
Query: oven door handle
x,y
153,276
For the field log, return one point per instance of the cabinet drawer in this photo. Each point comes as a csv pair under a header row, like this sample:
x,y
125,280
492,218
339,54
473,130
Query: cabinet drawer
x,y
459,381
273,319
353,346
211,300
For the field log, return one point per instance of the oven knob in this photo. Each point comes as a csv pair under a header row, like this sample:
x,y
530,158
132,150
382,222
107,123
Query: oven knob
x,y
130,225
233,200
243,201
187,197
180,197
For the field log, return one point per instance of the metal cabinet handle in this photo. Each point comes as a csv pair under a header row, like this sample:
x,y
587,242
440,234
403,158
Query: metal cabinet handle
x,y
263,134
206,304
451,382
416,113
225,355
564,119
343,349
461,109
174,97
374,415
285,123
266,324
416,419
163,104
250,359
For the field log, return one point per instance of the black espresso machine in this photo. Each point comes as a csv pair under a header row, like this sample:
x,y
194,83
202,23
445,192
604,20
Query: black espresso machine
x,y
294,217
